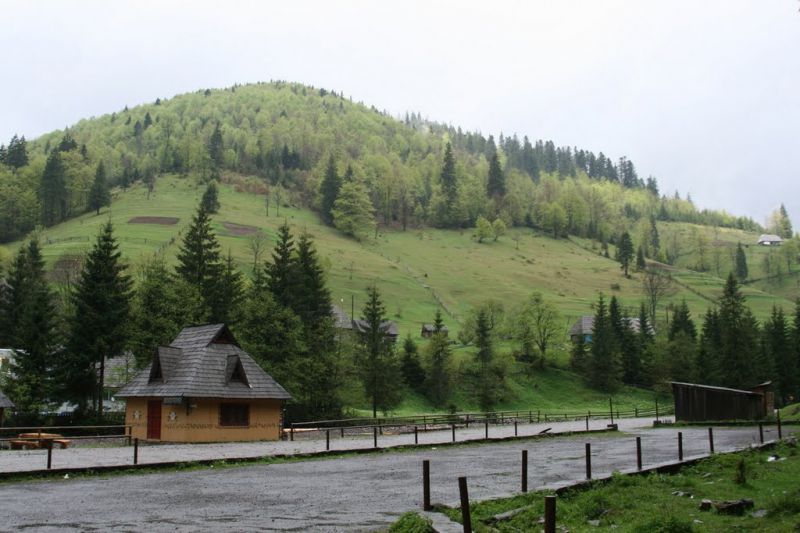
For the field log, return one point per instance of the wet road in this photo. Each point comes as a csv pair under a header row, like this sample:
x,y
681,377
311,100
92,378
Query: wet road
x,y
361,493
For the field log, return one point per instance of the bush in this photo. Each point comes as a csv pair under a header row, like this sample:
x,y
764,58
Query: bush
x,y
412,523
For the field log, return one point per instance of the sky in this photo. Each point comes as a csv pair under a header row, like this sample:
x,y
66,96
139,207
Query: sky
x,y
703,95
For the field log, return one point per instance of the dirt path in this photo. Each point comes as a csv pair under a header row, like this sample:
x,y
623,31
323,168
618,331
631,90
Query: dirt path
x,y
361,493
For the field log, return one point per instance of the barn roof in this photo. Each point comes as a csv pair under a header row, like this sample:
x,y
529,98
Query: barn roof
x,y
431,328
389,327
5,402
585,325
766,237
712,387
204,362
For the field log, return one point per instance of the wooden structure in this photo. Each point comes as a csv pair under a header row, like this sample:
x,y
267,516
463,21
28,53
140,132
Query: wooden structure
x,y
428,330
5,403
39,440
584,327
769,240
204,388
389,328
700,403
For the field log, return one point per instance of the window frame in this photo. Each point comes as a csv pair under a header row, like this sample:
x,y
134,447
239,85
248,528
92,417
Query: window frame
x,y
234,422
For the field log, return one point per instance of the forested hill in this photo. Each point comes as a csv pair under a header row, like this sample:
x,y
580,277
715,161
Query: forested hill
x,y
283,140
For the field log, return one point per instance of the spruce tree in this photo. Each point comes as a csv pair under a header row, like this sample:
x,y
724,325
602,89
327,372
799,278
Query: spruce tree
x,y
280,272
312,299
741,263
33,333
438,382
682,323
99,325
488,377
17,152
99,195
625,252
448,178
738,339
709,369
53,190
655,241
780,360
496,181
210,200
215,148
199,262
228,294
603,365
380,372
413,374
329,191
640,262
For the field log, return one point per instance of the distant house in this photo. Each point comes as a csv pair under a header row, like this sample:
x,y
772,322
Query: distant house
x,y
204,388
5,403
341,320
770,240
428,330
703,403
389,328
584,327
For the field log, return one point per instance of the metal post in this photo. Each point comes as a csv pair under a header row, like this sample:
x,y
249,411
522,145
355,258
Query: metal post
x,y
588,461
711,440
538,414
136,451
453,428
426,485
636,412
656,410
761,433
416,437
638,453
465,516
587,422
780,430
291,433
515,428
486,428
524,470
611,409
549,514
680,446
50,455
327,439
341,432
374,436
530,417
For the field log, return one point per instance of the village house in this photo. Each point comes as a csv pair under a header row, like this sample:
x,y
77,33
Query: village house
x,y
204,388
769,240
584,327
343,322
428,330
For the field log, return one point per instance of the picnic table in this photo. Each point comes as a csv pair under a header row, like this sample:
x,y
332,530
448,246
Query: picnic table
x,y
39,440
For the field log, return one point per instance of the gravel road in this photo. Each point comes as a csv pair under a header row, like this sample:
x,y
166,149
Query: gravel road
x,y
362,493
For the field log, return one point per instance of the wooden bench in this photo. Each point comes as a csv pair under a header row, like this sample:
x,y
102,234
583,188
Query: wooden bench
x,y
39,440
23,444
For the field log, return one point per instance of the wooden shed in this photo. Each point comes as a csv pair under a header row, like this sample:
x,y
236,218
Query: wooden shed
x,y
699,403
204,388
429,330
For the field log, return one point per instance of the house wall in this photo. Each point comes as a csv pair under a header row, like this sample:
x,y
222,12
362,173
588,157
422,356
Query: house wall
x,y
696,404
201,423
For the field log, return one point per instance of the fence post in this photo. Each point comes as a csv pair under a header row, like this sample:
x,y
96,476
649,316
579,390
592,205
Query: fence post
x,y
530,417
680,446
636,412
638,453
611,409
50,455
587,422
374,436
291,433
711,440
761,433
538,414
341,435
524,470
549,514
136,451
588,461
467,421
656,410
465,515
486,427
515,428
416,438
453,428
327,439
426,485
780,431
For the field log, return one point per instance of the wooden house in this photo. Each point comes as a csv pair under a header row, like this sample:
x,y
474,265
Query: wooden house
x,y
5,403
769,240
584,327
204,388
702,403
428,330
389,328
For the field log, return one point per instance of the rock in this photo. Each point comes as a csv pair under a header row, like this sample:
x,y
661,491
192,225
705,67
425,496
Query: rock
x,y
696,521
682,494
736,507
595,523
508,515
761,513
772,458
705,505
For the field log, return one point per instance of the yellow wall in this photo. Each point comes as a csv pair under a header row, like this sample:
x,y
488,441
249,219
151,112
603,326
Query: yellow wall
x,y
201,424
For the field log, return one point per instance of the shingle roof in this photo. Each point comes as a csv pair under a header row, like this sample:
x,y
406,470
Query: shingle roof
x,y
585,325
769,238
5,402
202,362
341,320
389,327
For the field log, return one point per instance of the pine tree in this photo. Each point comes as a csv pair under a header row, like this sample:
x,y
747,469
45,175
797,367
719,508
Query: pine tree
x,y
353,213
99,326
17,152
210,201
603,365
785,225
708,354
329,191
215,148
199,262
448,178
780,359
380,373
640,262
99,195
625,252
496,181
682,323
655,241
280,272
33,332
741,263
438,383
227,294
53,190
738,339
488,376
413,374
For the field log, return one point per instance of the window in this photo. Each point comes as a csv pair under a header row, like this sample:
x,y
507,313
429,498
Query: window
x,y
234,414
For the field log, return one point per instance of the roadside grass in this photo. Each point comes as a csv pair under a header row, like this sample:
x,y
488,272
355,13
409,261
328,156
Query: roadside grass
x,y
412,523
631,503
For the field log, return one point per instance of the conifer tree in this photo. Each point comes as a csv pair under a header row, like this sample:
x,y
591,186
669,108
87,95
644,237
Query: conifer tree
x,y
708,360
489,380
738,340
280,272
353,213
210,200
33,332
199,262
227,294
53,190
741,263
329,190
99,326
438,383
655,241
381,376
780,357
603,365
17,152
496,181
99,195
215,148
413,373
625,252
682,323
640,262
312,299
785,225
448,178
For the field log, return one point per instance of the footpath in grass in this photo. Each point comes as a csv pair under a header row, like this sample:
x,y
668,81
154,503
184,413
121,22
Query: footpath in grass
x,y
660,502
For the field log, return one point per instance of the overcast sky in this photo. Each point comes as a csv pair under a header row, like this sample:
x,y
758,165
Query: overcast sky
x,y
704,95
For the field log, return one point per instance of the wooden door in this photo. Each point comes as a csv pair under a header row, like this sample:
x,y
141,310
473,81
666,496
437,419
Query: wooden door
x,y
154,419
